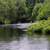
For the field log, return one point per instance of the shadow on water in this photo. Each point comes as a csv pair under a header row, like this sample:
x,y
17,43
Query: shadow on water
x,y
7,33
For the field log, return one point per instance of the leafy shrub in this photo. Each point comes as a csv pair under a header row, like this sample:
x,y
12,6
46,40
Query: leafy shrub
x,y
43,11
41,27
46,30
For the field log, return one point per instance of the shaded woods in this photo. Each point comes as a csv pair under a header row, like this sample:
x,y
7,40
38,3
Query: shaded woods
x,y
25,11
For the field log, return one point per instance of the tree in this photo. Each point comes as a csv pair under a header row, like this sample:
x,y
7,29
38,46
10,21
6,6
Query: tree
x,y
44,10
7,10
41,10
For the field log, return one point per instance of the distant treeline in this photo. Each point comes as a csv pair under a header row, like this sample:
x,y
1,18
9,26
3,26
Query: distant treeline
x,y
14,11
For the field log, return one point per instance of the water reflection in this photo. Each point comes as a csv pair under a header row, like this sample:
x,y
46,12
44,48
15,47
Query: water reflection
x,y
7,33
26,43
16,39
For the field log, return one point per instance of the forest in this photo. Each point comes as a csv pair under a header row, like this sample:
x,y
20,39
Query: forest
x,y
25,11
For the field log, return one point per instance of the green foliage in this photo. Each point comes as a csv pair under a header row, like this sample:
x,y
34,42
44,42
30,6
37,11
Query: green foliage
x,y
12,11
41,27
7,9
43,11
46,30
35,11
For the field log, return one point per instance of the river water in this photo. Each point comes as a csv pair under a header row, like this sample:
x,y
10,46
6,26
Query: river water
x,y
26,43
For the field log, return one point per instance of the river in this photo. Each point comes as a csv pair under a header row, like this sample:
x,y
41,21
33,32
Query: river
x,y
25,42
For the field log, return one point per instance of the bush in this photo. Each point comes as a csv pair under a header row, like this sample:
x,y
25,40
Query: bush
x,y
43,11
41,27
46,30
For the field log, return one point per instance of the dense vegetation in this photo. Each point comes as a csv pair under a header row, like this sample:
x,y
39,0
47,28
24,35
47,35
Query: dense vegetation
x,y
14,11
40,27
42,15
24,11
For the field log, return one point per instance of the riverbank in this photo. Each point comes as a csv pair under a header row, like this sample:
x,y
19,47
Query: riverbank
x,y
41,28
